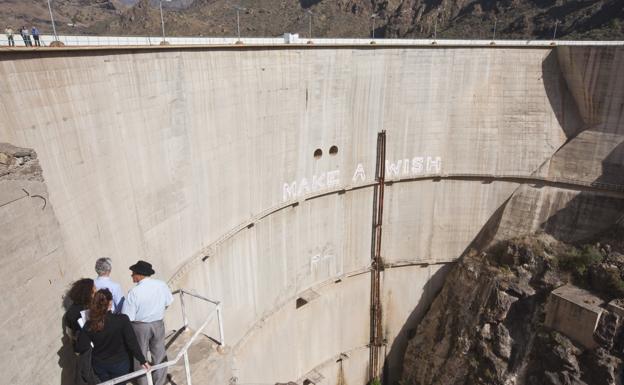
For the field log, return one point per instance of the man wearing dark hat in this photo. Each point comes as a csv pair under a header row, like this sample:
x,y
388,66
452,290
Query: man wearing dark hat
x,y
145,306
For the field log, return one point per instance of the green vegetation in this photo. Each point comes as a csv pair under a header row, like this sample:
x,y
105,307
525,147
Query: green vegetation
x,y
586,265
577,261
588,270
612,285
506,270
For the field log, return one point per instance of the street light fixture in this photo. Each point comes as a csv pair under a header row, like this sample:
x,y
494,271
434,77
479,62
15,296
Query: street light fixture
x,y
555,32
238,9
309,12
494,33
373,17
162,23
52,19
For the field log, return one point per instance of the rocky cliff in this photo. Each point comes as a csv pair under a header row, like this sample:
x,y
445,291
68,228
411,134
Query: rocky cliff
x,y
487,324
465,19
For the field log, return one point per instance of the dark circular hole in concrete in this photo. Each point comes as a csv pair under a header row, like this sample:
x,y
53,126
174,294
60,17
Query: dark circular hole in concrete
x,y
333,150
318,153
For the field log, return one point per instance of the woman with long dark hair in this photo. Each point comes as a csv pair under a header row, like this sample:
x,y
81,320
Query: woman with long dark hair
x,y
80,294
109,335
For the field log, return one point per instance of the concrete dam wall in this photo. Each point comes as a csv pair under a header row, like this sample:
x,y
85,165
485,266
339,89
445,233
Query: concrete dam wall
x,y
247,174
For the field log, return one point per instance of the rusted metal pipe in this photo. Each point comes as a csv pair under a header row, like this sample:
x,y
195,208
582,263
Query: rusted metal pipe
x,y
376,329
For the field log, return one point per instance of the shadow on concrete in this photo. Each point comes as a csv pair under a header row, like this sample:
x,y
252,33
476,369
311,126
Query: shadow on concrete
x,y
66,356
613,166
561,100
590,213
393,365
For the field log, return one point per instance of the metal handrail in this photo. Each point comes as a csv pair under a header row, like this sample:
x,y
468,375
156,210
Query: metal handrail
x,y
146,40
184,351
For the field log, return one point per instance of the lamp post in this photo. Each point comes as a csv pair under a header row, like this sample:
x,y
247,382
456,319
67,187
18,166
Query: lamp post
x,y
373,17
162,23
52,19
555,31
309,25
494,33
238,9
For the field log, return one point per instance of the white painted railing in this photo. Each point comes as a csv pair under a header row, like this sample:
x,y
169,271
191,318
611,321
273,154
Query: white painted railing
x,y
183,353
86,40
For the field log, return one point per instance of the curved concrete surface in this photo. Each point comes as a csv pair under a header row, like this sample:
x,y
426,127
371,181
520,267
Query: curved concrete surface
x,y
202,161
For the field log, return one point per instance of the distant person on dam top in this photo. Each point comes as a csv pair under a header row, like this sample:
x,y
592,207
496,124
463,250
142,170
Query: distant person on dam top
x,y
9,34
145,306
26,36
35,34
103,267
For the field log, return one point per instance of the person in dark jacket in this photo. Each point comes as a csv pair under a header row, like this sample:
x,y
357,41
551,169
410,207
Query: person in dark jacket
x,y
80,294
35,34
109,335
26,36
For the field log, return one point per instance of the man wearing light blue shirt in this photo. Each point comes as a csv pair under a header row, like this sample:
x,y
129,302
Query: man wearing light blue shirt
x,y
145,306
103,267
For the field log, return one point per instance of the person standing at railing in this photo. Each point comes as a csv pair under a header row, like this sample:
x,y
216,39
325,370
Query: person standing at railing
x,y
145,306
103,267
26,36
109,335
9,34
35,34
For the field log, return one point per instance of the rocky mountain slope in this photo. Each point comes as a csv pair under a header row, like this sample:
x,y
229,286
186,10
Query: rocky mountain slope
x,y
514,19
487,324
70,15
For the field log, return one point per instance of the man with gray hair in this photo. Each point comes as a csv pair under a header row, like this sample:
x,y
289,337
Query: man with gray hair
x,y
103,267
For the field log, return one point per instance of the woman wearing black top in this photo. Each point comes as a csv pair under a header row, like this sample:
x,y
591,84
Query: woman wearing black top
x,y
80,294
111,336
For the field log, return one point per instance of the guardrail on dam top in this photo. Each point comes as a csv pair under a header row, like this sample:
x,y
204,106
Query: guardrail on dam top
x,y
86,40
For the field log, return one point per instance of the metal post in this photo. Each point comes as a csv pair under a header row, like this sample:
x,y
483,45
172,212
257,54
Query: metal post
x,y
187,368
373,16
220,320
150,380
238,23
435,29
184,319
494,34
162,21
310,25
555,32
52,19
